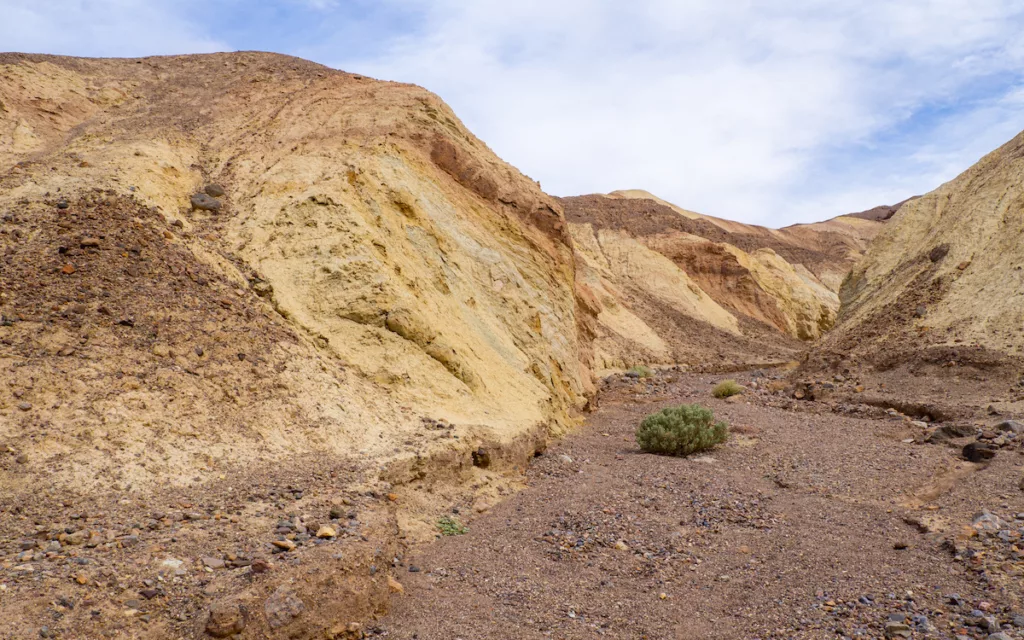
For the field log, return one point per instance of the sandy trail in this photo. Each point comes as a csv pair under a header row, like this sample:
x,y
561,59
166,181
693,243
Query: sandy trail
x,y
794,529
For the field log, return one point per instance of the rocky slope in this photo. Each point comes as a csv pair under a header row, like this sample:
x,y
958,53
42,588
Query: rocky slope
x,y
257,287
941,285
676,286
828,249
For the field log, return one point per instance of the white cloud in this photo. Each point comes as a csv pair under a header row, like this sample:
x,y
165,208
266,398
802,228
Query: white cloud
x,y
760,110
725,107
97,28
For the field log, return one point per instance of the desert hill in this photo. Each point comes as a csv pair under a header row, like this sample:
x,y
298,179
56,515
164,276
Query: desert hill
x,y
231,278
942,282
828,249
696,287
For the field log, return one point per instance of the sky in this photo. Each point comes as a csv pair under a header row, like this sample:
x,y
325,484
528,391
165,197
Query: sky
x,y
763,111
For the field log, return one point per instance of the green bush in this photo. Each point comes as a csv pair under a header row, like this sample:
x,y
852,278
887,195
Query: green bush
x,y
727,389
642,371
680,431
449,526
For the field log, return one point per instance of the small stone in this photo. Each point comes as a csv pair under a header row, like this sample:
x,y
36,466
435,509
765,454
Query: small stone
x,y
161,350
989,623
203,202
89,242
24,406
68,269
62,204
282,607
393,497
259,565
149,594
986,521
213,563
81,578
284,545
214,190
226,620
326,531
897,630
1011,426
394,586
22,459
938,253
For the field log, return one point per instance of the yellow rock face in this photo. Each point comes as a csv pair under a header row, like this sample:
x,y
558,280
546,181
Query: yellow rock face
x,y
945,272
721,271
374,264
621,272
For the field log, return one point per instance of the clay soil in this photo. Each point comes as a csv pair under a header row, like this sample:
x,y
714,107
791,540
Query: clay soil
x,y
814,521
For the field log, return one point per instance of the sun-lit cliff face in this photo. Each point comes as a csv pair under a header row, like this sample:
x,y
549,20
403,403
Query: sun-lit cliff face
x,y
737,291
943,281
369,263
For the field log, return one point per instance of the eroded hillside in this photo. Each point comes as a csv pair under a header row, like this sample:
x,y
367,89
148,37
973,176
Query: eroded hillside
x,y
676,286
360,219
941,285
232,278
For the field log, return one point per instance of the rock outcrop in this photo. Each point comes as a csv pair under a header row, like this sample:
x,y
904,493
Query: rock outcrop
x,y
232,278
368,254
943,281
677,286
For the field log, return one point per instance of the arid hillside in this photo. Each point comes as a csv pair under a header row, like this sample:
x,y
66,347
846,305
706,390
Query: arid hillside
x,y
942,284
828,249
363,242
231,278
675,286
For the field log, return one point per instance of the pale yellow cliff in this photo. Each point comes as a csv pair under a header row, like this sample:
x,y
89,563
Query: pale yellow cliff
x,y
946,271
372,262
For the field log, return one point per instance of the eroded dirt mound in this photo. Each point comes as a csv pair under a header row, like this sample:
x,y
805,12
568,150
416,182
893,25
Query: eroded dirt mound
x,y
743,281
267,290
828,249
940,287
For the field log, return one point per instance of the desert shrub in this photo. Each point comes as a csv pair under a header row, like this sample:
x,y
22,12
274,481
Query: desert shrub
x,y
641,371
681,430
449,526
727,389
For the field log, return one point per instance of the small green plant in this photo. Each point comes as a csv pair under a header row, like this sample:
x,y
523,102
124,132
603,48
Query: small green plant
x,y
680,431
641,371
449,526
727,389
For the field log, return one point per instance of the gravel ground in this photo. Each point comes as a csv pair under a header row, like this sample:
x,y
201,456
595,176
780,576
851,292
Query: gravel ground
x,y
808,523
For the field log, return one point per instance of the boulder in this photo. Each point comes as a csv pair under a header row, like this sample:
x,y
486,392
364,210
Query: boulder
x,y
203,202
226,619
979,452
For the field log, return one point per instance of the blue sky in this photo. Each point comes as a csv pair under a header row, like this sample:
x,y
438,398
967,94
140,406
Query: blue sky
x,y
756,110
